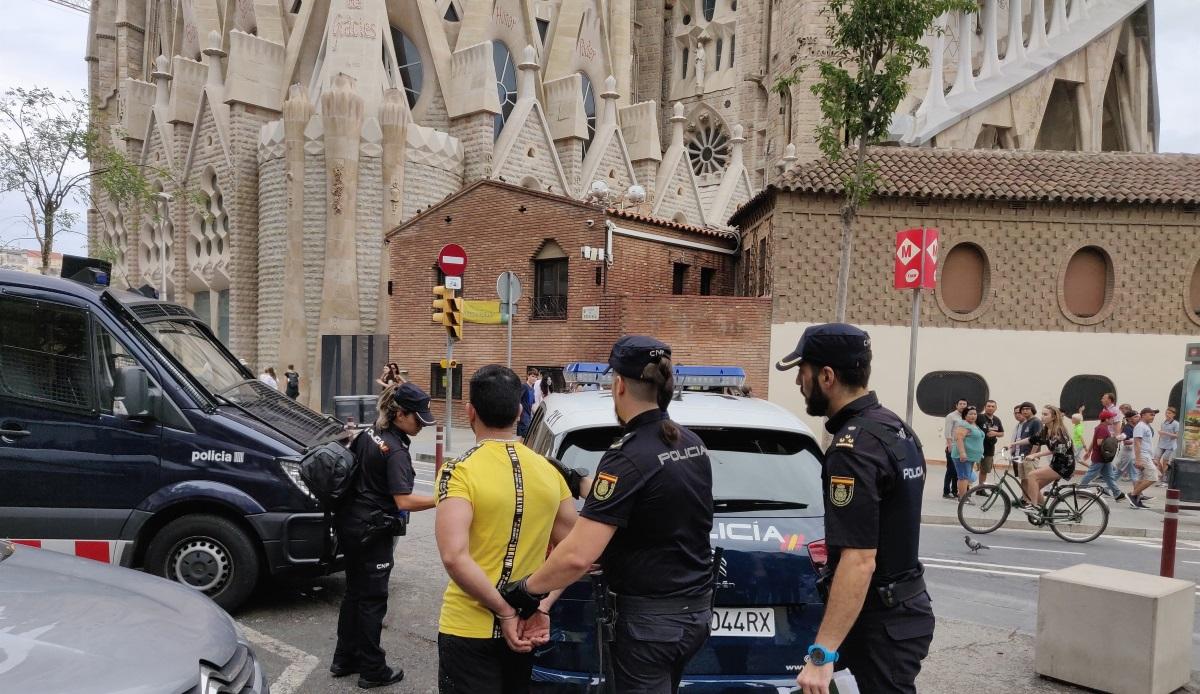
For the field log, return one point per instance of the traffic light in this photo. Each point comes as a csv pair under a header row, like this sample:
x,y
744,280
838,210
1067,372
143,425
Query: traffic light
x,y
447,311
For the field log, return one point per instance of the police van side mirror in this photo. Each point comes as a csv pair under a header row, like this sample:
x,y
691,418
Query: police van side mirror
x,y
132,389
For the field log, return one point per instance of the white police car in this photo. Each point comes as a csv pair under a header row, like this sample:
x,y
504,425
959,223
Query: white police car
x,y
768,520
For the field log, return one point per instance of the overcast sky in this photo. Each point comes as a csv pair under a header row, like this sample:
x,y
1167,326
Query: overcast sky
x,y
42,44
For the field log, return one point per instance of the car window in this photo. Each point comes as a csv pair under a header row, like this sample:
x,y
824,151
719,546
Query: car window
x,y
44,352
539,433
758,464
111,356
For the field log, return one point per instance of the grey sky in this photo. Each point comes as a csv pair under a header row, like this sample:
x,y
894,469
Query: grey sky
x,y
42,44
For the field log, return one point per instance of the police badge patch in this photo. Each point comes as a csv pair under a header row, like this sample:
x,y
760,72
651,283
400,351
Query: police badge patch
x,y
841,490
604,485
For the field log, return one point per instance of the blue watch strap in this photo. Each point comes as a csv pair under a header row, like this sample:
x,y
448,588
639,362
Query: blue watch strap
x,y
821,655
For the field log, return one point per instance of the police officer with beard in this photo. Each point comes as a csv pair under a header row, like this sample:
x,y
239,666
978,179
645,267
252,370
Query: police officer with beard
x,y
649,512
878,620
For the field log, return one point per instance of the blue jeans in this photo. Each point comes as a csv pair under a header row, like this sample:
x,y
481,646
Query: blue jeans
x,y
962,470
1107,472
1125,464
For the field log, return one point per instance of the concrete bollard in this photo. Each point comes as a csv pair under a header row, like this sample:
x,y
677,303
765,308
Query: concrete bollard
x,y
1115,631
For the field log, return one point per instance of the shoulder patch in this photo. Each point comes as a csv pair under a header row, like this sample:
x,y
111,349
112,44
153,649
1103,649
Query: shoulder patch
x,y
621,441
603,486
841,490
845,441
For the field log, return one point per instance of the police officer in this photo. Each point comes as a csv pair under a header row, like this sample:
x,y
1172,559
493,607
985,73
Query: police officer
x,y
878,620
366,524
649,512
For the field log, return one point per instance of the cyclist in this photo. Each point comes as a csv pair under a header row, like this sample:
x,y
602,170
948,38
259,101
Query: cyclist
x,y
1053,440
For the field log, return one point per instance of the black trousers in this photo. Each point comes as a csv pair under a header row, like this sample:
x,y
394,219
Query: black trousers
x,y
950,481
481,666
650,651
884,648
360,622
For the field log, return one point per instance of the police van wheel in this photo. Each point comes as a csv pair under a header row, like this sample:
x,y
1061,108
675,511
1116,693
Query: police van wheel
x,y
209,554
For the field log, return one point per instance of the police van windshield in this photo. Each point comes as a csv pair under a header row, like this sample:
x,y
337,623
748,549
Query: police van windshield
x,y
192,348
753,469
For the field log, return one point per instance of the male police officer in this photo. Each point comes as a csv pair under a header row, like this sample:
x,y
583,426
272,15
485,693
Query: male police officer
x,y
650,512
366,526
877,612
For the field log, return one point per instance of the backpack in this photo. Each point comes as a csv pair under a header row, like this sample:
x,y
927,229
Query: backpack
x,y
329,471
293,380
1108,449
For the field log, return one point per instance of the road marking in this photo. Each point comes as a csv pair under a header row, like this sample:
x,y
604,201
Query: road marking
x,y
1030,549
985,564
300,664
982,571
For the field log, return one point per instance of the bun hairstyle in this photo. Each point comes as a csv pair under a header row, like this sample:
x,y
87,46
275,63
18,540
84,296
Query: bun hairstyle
x,y
388,409
659,379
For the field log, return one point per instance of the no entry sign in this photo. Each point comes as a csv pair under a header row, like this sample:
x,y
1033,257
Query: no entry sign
x,y
452,259
916,258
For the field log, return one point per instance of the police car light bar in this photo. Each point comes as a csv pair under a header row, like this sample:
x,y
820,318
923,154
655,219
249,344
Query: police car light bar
x,y
685,376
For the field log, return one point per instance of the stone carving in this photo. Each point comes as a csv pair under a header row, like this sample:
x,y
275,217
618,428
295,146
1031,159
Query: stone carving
x,y
339,186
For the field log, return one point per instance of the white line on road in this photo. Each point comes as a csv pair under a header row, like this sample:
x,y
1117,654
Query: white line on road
x,y
981,571
300,664
1048,551
984,564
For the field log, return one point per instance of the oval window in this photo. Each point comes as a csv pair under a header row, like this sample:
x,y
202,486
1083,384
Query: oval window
x,y
964,278
1194,291
1084,390
1086,282
939,391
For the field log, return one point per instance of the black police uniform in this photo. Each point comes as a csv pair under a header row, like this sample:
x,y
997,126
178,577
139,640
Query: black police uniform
x,y
365,528
658,564
873,478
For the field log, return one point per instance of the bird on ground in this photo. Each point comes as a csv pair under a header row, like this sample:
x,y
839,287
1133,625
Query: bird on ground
x,y
973,545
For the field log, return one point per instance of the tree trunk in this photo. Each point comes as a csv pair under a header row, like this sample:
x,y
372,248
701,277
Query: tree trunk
x,y
47,243
848,215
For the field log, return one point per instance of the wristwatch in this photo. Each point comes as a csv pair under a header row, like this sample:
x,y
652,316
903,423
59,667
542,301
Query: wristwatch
x,y
819,655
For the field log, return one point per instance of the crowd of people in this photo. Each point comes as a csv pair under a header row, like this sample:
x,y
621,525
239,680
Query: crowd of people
x,y
1122,446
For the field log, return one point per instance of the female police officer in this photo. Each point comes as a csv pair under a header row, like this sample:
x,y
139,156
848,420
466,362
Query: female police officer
x,y
649,512
877,613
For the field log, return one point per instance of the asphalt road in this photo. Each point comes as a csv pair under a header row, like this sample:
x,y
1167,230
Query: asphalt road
x,y
986,604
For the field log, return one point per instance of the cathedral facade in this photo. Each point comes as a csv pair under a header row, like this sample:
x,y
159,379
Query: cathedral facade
x,y
285,138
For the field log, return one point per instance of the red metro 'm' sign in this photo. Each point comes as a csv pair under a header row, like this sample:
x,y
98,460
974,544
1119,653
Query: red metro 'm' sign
x,y
916,258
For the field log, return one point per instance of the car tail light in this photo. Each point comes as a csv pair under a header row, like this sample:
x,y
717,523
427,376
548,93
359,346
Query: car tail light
x,y
818,554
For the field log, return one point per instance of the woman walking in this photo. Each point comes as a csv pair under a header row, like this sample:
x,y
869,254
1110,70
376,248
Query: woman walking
x,y
968,450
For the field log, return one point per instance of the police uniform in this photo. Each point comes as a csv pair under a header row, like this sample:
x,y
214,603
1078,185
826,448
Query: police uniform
x,y
873,477
366,526
658,564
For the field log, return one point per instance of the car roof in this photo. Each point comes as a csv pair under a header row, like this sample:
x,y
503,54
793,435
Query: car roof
x,y
588,409
142,306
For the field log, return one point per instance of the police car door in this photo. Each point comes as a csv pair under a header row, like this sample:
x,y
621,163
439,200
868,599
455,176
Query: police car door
x,y
73,465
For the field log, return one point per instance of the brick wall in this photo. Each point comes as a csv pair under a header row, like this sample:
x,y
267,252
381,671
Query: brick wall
x,y
487,221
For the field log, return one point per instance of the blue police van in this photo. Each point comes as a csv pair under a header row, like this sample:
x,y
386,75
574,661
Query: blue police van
x,y
129,434
768,521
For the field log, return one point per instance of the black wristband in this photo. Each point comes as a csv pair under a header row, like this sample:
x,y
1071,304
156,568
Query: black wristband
x,y
573,476
518,595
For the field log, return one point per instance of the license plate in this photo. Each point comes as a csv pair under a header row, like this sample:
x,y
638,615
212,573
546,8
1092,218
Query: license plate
x,y
743,621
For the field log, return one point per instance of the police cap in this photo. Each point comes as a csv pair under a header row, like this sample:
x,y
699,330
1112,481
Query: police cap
x,y
839,345
411,398
631,354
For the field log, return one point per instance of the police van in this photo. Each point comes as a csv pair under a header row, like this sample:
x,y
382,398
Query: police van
x,y
129,434
768,521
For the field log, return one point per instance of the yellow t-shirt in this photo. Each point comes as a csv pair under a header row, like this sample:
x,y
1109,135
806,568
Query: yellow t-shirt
x,y
485,477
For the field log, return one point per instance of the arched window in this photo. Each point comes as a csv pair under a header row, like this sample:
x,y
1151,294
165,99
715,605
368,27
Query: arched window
x,y
589,109
720,47
710,6
964,278
939,391
1175,399
408,61
708,147
1086,282
684,63
506,84
1084,390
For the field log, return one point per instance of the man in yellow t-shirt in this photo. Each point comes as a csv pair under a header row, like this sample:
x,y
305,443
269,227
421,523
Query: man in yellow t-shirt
x,y
499,508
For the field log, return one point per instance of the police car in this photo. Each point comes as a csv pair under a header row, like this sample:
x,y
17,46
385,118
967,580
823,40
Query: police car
x,y
768,521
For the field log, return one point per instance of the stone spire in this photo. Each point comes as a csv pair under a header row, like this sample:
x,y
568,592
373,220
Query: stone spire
x,y
162,83
527,83
677,120
212,60
608,114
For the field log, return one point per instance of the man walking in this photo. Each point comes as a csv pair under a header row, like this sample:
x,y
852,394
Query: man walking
x,y
1098,464
878,619
993,429
950,481
1028,427
1168,434
1125,463
1143,457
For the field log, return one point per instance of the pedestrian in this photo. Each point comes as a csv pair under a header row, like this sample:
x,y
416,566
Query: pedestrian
x,y
1125,463
528,398
878,620
1094,455
499,507
1052,440
1168,434
648,523
1108,404
536,385
268,377
993,429
293,382
1077,435
1143,457
950,481
390,375
967,449
1029,426
374,513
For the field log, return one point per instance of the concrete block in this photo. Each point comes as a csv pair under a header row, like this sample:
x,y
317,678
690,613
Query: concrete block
x,y
1149,653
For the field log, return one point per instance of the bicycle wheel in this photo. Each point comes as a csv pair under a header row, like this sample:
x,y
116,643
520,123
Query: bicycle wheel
x,y
1078,516
985,512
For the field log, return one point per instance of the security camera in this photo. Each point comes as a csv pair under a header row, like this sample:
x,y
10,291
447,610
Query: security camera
x,y
590,223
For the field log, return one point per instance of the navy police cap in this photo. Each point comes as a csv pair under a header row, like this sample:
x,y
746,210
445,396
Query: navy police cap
x,y
840,345
631,354
411,398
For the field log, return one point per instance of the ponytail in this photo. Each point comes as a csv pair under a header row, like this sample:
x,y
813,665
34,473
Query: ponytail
x,y
660,377
388,409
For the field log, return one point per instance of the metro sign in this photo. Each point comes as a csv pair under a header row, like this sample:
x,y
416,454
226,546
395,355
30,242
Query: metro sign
x,y
916,259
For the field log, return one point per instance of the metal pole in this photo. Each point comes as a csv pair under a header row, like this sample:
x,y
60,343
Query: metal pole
x,y
449,388
509,301
1166,567
438,450
912,342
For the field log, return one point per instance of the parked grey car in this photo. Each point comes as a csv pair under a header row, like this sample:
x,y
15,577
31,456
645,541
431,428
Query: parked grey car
x,y
76,625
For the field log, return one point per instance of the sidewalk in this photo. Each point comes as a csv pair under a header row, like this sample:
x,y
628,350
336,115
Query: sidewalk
x,y
424,444
1122,520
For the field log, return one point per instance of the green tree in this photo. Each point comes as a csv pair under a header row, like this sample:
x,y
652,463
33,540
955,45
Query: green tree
x,y
50,154
874,46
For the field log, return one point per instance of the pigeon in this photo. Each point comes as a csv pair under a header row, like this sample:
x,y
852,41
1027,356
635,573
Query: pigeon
x,y
973,545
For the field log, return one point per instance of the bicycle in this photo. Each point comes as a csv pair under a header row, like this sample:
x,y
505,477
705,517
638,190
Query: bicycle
x,y
1073,513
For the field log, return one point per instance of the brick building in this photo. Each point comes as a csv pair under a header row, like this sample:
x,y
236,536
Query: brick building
x,y
572,308
1061,275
